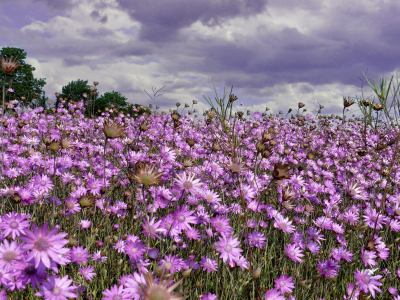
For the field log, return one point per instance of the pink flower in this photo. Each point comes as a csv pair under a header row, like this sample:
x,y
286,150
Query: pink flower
x,y
257,115
85,224
44,246
227,248
87,272
9,254
274,295
208,264
57,288
150,227
188,183
283,224
13,224
294,253
368,257
184,218
328,268
135,250
10,90
368,282
116,292
284,284
78,254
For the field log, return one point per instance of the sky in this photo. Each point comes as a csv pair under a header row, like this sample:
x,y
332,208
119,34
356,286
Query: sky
x,y
275,53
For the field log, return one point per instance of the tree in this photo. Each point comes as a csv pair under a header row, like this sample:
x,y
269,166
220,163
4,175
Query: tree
x,y
107,99
21,80
74,90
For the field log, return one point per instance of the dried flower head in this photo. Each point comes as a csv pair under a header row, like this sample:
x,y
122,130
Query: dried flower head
x,y
113,130
347,102
9,65
281,172
146,175
159,291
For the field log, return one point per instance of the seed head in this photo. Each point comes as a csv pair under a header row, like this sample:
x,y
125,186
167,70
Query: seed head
x,y
161,291
146,175
9,65
113,130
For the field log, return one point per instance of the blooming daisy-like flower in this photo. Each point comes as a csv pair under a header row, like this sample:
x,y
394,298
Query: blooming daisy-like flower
x,y
284,284
97,256
368,257
151,227
87,272
172,263
274,295
78,254
328,268
209,296
43,183
44,246
221,224
85,224
211,196
184,218
341,253
57,288
192,234
367,281
9,254
257,239
72,206
356,191
135,250
297,180
283,224
294,253
116,292
13,224
209,264
188,183
227,248
371,216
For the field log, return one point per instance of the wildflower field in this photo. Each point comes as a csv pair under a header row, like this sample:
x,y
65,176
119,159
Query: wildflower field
x,y
166,206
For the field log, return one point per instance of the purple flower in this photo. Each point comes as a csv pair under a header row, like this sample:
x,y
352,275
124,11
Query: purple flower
x,y
257,115
13,224
284,284
57,288
227,248
87,272
208,264
44,246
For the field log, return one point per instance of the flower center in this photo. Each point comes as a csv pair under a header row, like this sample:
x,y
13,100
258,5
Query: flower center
x,y
42,244
228,248
209,197
181,218
168,265
187,185
9,256
56,291
43,183
14,225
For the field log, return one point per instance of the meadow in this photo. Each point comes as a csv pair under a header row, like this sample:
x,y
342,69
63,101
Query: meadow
x,y
226,205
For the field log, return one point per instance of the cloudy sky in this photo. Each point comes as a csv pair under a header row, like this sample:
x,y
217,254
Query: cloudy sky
x,y
275,53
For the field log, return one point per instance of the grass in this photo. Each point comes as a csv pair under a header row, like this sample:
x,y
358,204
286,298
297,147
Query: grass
x,y
307,171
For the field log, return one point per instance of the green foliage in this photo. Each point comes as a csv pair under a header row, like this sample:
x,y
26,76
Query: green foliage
x,y
107,99
139,112
74,90
21,80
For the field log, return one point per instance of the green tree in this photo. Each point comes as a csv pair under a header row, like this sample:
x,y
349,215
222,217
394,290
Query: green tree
x,y
21,80
74,90
107,99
